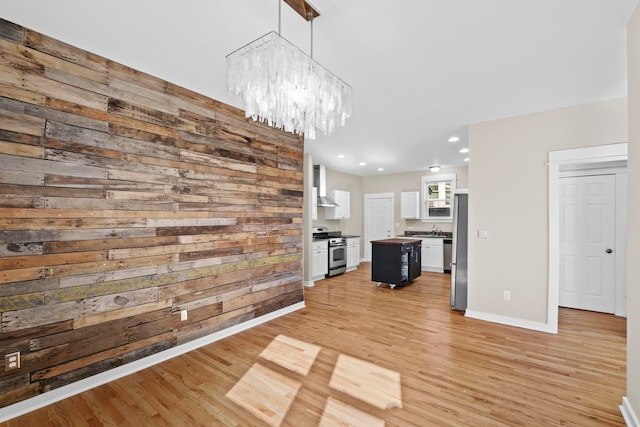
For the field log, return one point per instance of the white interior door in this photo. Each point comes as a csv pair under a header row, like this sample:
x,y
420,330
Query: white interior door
x,y
378,219
587,242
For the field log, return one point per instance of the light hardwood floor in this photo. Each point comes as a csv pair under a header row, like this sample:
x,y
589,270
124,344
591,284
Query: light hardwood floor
x,y
455,371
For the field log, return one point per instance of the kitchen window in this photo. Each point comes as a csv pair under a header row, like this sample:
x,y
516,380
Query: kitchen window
x,y
437,197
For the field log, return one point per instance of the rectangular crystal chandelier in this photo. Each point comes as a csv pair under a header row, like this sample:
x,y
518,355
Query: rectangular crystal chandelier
x,y
280,85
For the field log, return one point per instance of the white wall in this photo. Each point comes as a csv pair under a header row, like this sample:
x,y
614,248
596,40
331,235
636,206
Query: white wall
x,y
633,272
508,197
411,181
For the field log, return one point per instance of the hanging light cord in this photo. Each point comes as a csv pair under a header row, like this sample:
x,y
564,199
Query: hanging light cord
x,y
310,15
279,16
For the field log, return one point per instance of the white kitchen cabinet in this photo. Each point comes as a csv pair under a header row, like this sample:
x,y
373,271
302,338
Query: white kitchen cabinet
x,y
433,255
353,253
343,210
410,204
320,259
314,203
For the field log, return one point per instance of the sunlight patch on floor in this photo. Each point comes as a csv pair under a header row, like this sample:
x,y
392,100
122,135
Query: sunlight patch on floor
x,y
268,394
265,393
367,381
337,413
292,354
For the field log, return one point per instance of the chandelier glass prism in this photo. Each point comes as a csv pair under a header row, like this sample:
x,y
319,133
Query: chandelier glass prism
x,y
278,84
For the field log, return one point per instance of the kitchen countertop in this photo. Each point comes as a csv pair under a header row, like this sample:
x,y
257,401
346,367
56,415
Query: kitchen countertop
x,y
396,241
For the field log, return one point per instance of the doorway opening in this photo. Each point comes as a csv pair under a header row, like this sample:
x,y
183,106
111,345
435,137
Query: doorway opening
x,y
378,219
562,163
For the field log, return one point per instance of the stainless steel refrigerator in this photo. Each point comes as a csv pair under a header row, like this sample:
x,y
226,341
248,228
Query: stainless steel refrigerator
x,y
459,250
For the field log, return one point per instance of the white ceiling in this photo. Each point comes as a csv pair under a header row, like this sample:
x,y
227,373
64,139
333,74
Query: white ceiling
x,y
421,70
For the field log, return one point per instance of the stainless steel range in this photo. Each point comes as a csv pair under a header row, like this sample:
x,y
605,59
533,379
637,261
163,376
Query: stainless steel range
x,y
337,259
337,256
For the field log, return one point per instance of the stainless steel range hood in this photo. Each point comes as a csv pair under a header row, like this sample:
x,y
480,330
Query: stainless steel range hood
x,y
320,182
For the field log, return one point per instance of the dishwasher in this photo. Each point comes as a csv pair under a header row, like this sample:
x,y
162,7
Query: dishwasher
x,y
446,245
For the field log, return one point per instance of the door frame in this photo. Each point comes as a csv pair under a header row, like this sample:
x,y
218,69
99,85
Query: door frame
x,y
367,238
557,159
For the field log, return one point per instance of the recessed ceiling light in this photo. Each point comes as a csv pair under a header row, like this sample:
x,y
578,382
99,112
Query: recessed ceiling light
x,y
380,169
464,150
341,156
466,159
434,168
362,164
454,139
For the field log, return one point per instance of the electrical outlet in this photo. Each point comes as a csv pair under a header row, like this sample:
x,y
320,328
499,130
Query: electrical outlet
x,y
12,361
183,315
506,295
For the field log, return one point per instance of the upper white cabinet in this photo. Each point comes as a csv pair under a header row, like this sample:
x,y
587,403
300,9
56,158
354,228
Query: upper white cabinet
x,y
314,203
437,197
410,204
342,211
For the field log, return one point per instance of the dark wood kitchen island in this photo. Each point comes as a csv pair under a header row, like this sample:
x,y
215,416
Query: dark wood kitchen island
x,y
395,261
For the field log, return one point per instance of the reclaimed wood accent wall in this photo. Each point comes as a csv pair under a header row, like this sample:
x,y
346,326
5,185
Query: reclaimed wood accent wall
x,y
125,199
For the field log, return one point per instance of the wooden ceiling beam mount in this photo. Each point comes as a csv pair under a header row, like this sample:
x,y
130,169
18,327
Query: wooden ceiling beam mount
x,y
304,9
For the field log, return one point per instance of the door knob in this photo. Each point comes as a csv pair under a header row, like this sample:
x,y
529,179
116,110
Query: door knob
x,y
608,250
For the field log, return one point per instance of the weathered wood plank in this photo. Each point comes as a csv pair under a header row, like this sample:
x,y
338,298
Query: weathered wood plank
x,y
38,316
66,223
52,259
95,319
19,275
13,249
189,222
21,123
109,204
93,183
77,213
21,301
209,160
94,343
94,267
20,94
92,290
43,112
14,67
31,286
58,49
18,177
10,31
52,62
159,197
65,92
156,117
40,235
20,394
115,254
19,202
64,368
150,329
139,274
37,165
107,244
21,150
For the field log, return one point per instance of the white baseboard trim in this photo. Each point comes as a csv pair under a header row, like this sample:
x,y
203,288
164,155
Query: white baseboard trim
x,y
44,399
512,321
309,284
628,414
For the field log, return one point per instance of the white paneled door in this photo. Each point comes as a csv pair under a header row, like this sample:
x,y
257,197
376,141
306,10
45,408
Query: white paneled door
x,y
378,219
587,242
